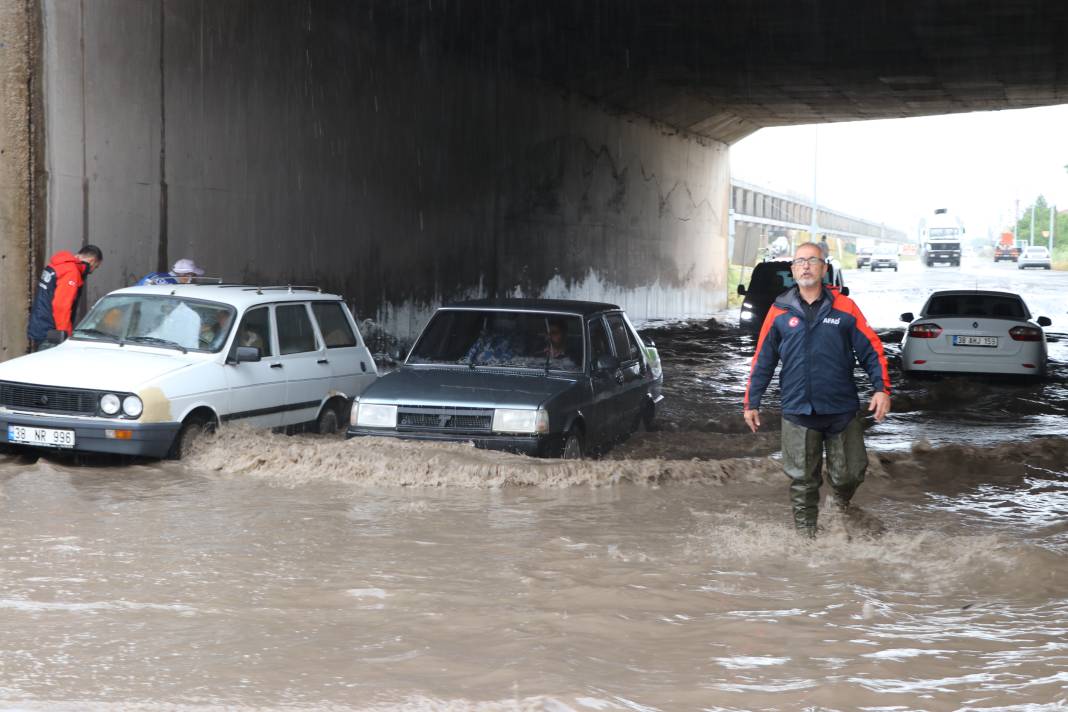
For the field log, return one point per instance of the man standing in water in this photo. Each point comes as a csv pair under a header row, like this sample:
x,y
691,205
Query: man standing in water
x,y
818,334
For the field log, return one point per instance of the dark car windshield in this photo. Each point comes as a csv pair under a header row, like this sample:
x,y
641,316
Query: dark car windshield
x,y
154,320
771,277
973,305
501,338
776,277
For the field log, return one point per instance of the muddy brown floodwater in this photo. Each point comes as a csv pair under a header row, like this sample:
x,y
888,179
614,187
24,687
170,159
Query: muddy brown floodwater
x,y
308,573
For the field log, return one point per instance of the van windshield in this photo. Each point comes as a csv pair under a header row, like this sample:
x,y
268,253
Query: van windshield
x,y
475,338
162,321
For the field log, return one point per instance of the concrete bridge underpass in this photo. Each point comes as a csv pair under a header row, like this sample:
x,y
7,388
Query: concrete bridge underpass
x,y
407,153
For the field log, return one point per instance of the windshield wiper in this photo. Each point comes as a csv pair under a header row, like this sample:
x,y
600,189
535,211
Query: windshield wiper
x,y
98,333
157,340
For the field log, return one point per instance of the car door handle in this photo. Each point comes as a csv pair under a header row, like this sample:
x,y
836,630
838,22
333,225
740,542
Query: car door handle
x,y
323,360
276,365
363,366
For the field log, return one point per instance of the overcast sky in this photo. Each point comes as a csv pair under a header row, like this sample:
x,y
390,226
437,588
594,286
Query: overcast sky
x,y
897,171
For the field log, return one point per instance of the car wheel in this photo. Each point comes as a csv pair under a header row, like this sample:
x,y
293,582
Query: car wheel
x,y
328,422
194,428
574,446
895,268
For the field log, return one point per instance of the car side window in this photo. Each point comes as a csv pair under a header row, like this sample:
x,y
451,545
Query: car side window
x,y
255,331
295,334
333,325
598,341
626,349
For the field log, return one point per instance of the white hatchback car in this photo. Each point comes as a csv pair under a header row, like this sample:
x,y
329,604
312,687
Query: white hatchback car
x,y
972,331
1034,256
150,365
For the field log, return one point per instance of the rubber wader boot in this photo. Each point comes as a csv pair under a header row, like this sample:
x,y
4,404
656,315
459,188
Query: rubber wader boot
x,y
802,460
847,461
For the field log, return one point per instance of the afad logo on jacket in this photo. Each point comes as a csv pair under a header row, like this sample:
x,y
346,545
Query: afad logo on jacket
x,y
794,321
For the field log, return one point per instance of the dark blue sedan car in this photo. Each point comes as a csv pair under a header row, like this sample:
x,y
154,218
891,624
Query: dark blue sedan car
x,y
543,377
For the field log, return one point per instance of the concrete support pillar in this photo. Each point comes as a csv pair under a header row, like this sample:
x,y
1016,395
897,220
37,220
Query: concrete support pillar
x,y
19,37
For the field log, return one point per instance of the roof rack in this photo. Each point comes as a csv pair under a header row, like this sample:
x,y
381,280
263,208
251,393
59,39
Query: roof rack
x,y
290,288
205,280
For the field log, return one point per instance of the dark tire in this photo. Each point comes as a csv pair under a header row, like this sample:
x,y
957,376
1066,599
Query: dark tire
x,y
193,428
895,268
574,447
329,421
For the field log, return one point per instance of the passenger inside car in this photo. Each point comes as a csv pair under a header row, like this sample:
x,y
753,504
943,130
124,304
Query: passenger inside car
x,y
560,345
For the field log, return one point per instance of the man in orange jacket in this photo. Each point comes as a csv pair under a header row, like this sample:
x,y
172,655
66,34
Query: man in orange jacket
x,y
58,290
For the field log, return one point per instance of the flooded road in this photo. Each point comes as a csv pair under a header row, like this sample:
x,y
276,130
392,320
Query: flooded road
x,y
299,573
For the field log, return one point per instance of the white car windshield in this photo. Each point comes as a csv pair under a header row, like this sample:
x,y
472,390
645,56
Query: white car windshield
x,y
476,338
163,321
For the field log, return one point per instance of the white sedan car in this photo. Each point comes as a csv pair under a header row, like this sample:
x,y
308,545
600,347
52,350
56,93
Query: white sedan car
x,y
1034,256
150,367
971,331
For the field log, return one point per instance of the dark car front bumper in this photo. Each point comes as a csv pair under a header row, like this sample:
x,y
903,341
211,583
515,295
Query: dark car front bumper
x,y
144,440
548,445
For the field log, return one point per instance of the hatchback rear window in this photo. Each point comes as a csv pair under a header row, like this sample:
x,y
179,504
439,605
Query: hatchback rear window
x,y
973,305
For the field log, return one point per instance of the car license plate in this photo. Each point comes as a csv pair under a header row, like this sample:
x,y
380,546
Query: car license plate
x,y
45,437
991,341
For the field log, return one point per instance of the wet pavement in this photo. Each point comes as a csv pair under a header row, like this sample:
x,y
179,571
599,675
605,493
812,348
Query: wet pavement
x,y
300,573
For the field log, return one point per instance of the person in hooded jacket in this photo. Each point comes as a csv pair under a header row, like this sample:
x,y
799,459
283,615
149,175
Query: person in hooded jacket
x,y
818,334
58,291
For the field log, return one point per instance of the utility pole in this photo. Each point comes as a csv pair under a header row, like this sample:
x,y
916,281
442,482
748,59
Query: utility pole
x,y
815,225
1031,236
1052,227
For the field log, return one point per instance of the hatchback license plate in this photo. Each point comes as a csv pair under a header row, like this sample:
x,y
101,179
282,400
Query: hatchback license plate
x,y
45,437
991,341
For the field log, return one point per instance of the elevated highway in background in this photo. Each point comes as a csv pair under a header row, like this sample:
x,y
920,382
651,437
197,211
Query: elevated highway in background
x,y
759,215
406,153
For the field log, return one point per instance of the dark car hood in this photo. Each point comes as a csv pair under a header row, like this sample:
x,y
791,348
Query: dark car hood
x,y
481,388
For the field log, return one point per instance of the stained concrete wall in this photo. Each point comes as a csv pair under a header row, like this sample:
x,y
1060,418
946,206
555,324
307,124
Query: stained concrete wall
x,y
346,144
17,55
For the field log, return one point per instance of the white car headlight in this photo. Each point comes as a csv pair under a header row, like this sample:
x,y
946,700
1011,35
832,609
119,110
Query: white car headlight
x,y
373,415
110,403
132,406
512,420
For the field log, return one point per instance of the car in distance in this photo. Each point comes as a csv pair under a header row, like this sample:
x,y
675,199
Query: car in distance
x,y
974,331
1034,256
884,257
770,279
543,377
150,367
863,257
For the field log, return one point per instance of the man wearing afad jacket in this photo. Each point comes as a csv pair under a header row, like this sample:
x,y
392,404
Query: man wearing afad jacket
x,y
58,290
819,335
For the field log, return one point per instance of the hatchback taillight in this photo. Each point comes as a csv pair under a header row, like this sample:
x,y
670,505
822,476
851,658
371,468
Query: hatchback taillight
x,y
1025,333
924,331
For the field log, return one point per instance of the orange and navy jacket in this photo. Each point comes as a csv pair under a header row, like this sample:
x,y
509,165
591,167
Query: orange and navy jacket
x,y
817,357
57,293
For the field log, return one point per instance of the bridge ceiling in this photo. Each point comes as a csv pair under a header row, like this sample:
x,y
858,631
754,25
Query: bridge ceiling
x,y
724,68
